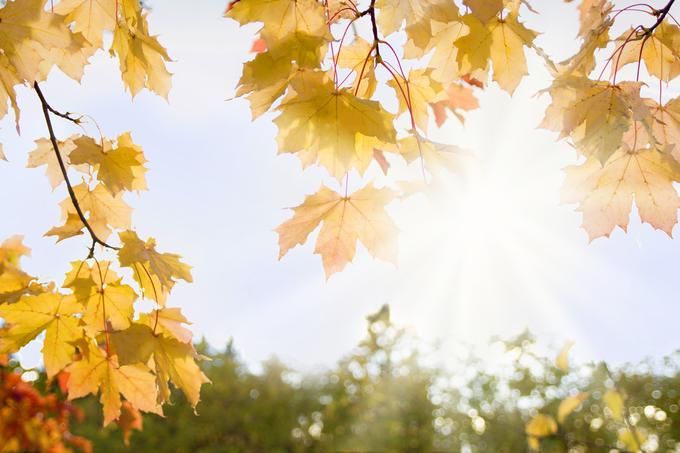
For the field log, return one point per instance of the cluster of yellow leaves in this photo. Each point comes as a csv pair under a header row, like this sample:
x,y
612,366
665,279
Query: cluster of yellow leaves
x,y
36,36
92,331
629,141
95,338
320,78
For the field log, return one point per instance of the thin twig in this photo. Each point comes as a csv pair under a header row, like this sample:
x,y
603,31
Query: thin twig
x,y
55,145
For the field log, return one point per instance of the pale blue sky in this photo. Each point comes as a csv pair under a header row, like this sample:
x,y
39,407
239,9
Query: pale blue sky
x,y
217,190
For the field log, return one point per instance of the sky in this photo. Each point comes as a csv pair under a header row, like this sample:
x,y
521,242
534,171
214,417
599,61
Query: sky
x,y
499,255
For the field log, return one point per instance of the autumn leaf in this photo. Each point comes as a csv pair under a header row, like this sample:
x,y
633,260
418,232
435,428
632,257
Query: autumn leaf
x,y
119,168
321,124
484,10
155,272
596,114
50,312
416,93
357,57
444,61
27,33
660,51
44,154
141,57
499,41
168,321
393,13
360,216
172,360
104,211
605,194
98,372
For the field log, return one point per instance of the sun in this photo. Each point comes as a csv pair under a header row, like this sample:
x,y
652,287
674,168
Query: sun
x,y
497,243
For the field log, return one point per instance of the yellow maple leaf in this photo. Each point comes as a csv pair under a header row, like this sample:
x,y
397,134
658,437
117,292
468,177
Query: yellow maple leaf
x,y
104,211
108,302
281,18
393,13
13,281
119,168
172,360
661,51
596,114
168,321
44,154
141,57
605,194
357,57
484,10
360,216
420,90
50,312
98,371
569,405
90,17
420,31
321,124
155,272
500,41
28,33
444,61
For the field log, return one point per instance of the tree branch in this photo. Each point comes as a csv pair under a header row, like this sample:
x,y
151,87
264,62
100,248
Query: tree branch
x,y
662,13
46,108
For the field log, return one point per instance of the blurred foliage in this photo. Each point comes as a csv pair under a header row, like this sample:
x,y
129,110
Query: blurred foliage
x,y
389,395
34,415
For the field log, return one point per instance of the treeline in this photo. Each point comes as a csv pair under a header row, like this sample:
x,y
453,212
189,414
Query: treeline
x,y
383,397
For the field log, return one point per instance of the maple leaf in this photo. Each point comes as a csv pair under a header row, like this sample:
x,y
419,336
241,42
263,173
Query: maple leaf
x,y
595,114
155,272
444,61
172,360
119,168
44,154
666,127
50,312
107,300
421,91
591,14
281,18
141,57
357,57
168,321
321,123
90,17
360,216
72,227
28,33
97,371
500,41
660,51
484,10
13,281
104,210
393,13
605,194
420,31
